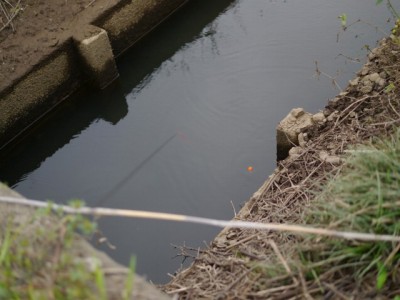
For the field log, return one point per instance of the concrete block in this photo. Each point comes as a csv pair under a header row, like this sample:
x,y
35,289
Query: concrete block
x,y
288,130
95,50
319,117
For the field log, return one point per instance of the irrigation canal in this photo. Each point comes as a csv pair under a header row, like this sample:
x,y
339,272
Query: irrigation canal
x,y
196,104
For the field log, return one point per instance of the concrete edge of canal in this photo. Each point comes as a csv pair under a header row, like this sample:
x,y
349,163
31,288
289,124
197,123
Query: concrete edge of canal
x,y
115,274
82,55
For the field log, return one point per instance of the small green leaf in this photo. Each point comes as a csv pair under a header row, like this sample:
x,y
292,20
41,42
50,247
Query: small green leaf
x,y
378,2
4,291
343,19
126,293
76,203
100,283
390,87
382,277
5,246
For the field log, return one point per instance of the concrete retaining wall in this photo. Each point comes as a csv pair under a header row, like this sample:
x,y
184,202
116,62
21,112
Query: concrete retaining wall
x,y
130,22
38,91
60,73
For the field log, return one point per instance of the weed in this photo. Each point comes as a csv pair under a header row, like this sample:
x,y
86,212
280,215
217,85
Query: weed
x,y
130,279
365,198
390,6
36,260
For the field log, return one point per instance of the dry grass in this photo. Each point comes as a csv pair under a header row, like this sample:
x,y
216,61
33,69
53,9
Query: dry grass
x,y
9,9
250,264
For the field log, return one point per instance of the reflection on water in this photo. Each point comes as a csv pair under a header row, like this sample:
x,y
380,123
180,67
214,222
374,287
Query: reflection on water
x,y
196,104
126,179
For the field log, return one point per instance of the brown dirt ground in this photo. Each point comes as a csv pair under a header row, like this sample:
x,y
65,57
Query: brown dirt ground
x,y
38,28
18,46
232,266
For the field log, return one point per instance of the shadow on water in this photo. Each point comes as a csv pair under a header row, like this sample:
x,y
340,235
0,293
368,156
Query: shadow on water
x,y
87,106
55,131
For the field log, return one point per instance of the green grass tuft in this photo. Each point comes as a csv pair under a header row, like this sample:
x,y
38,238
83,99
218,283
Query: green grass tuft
x,y
365,198
36,260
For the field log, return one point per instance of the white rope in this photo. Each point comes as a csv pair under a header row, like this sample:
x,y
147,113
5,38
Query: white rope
x,y
102,211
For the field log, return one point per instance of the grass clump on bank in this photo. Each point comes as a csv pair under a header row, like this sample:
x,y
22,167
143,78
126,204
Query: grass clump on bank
x,y
364,198
40,258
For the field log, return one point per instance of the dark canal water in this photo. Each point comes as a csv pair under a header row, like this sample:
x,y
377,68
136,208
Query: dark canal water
x,y
196,104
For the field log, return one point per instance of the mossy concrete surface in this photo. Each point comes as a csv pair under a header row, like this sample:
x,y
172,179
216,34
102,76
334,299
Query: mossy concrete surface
x,y
134,19
36,93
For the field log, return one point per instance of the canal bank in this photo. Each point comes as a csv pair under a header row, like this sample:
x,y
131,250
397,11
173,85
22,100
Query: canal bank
x,y
67,46
254,264
36,230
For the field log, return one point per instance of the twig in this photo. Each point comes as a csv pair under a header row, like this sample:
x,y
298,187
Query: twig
x,y
10,19
377,28
306,292
356,60
392,107
102,211
392,9
392,255
90,3
283,261
274,290
336,291
6,14
355,104
183,289
8,3
246,239
239,278
234,210
318,72
386,123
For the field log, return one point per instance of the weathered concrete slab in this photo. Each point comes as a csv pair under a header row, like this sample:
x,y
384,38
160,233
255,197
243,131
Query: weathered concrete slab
x,y
96,53
288,130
